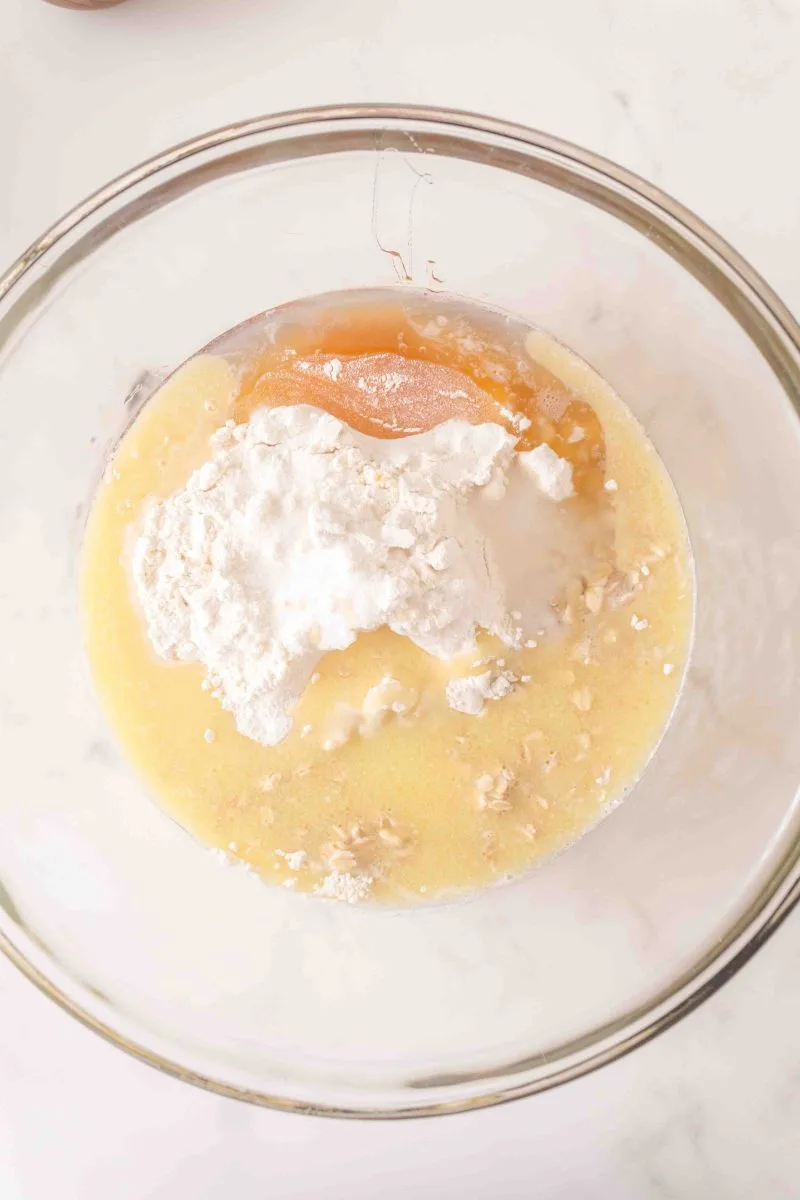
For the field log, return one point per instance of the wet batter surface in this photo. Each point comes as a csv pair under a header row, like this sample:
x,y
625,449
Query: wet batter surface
x,y
414,800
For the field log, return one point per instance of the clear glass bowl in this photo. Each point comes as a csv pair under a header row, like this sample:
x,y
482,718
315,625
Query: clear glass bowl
x,y
134,928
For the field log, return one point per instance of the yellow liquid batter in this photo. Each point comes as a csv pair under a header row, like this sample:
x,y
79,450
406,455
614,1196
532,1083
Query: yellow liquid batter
x,y
433,802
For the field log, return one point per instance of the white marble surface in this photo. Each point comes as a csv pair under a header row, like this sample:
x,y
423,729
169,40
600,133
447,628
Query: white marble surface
x,y
701,96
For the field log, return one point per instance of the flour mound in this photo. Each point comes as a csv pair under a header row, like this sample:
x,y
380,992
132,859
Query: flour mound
x,y
299,534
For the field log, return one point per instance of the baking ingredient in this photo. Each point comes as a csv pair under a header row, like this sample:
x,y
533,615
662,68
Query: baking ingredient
x,y
343,885
467,694
387,699
382,792
552,473
411,533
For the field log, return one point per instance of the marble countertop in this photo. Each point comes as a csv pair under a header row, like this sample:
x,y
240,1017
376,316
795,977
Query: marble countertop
x,y
700,96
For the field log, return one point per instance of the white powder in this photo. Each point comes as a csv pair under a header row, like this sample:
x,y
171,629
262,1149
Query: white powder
x,y
300,533
340,885
294,859
332,368
553,474
467,695
229,860
517,420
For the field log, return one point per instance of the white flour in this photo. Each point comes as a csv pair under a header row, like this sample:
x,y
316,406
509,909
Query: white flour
x,y
467,695
299,534
340,885
553,474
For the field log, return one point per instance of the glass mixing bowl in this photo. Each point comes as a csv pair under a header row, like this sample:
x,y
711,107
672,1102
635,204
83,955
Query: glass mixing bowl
x,y
198,969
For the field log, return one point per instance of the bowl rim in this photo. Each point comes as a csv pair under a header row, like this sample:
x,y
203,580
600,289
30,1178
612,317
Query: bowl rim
x,y
776,333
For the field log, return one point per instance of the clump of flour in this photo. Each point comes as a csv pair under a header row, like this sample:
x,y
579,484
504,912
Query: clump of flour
x,y
553,474
467,695
341,885
300,533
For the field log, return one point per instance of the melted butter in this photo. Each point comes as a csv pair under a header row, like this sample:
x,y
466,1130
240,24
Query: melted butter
x,y
427,800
